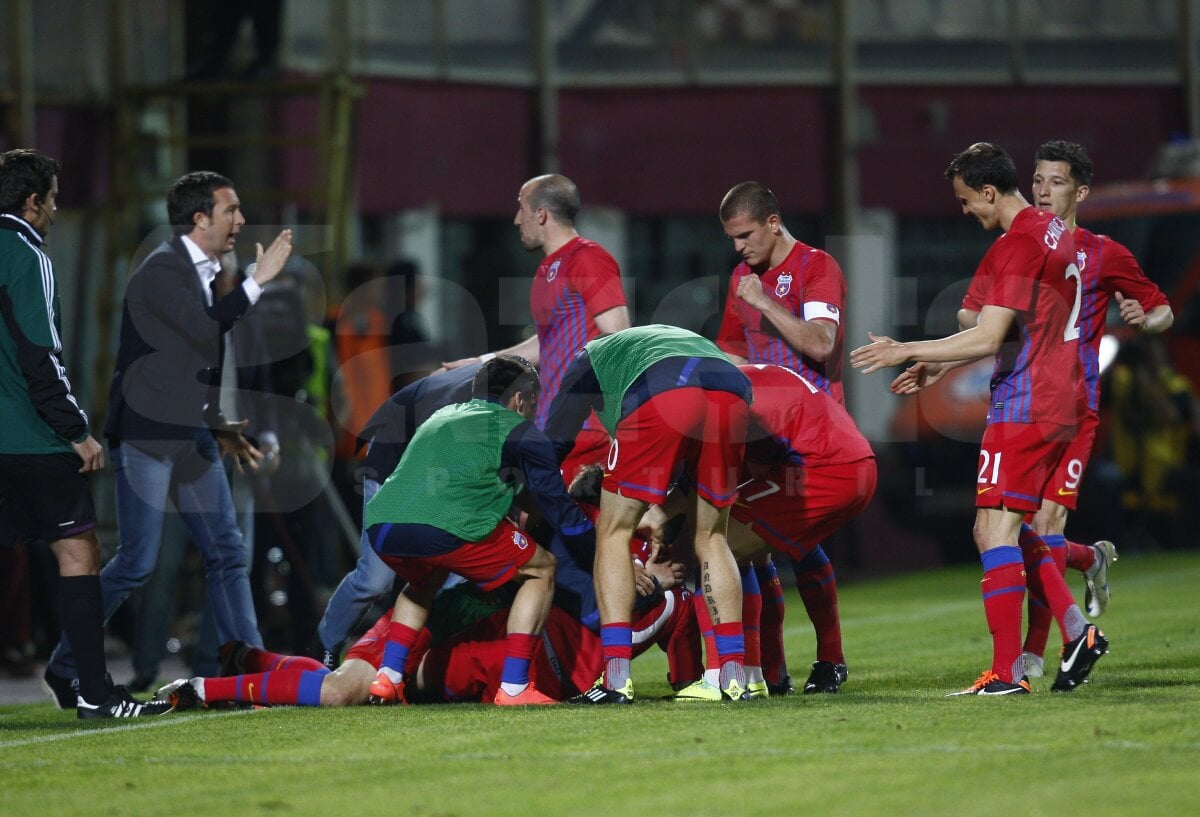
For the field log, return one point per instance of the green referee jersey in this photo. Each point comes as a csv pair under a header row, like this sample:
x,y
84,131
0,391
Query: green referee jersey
x,y
32,375
449,475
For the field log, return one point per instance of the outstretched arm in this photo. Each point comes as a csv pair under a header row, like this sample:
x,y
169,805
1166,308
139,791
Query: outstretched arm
x,y
979,341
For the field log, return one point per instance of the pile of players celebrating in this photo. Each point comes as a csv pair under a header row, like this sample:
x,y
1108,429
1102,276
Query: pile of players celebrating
x,y
557,508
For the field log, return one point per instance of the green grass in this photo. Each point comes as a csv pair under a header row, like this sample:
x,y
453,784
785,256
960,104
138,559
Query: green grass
x,y
890,744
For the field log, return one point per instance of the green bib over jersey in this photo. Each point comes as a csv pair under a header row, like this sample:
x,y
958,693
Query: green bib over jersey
x,y
620,359
449,474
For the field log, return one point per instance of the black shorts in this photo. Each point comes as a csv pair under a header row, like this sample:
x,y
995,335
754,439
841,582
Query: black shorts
x,y
44,498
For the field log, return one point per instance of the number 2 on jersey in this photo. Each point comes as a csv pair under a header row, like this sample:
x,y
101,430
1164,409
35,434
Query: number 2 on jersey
x,y
1072,330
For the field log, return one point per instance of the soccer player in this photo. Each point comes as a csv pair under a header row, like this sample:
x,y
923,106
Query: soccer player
x,y
663,611
1037,403
785,299
671,401
784,307
444,510
807,471
576,297
387,432
464,664
1061,181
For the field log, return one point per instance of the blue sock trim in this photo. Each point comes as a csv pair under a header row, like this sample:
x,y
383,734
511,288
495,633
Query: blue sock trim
x,y
750,584
309,691
1019,588
516,670
766,573
1001,556
616,636
730,644
395,656
1055,540
814,560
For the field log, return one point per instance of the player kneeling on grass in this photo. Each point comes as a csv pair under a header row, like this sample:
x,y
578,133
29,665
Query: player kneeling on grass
x,y
444,510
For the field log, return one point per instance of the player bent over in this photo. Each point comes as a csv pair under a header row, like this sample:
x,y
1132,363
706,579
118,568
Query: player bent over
x,y
444,510
670,400
807,471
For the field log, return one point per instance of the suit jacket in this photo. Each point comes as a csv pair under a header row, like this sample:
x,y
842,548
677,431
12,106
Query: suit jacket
x,y
164,388
256,399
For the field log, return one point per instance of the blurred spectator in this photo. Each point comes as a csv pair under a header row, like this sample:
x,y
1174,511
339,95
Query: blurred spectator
x,y
1156,439
297,555
409,340
362,376
224,24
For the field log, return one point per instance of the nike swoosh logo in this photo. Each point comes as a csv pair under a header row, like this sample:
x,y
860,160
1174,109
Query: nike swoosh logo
x,y
1066,664
1061,492
979,491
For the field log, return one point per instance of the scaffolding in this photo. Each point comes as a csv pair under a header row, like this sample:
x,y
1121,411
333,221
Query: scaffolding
x,y
158,129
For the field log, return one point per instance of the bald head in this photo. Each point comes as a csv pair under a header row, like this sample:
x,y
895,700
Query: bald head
x,y
555,193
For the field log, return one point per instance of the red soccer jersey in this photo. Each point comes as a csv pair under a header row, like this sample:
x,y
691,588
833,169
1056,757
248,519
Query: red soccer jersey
x,y
572,286
809,284
790,413
1031,270
1105,267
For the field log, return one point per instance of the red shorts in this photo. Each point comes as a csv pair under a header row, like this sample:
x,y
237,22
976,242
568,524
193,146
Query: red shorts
x,y
795,508
1063,486
591,448
1016,461
489,563
703,431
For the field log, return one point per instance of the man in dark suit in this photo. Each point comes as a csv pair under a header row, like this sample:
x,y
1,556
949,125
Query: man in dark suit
x,y
166,433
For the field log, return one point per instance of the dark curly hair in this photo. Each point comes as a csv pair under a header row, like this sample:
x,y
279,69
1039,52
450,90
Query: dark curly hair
x,y
24,172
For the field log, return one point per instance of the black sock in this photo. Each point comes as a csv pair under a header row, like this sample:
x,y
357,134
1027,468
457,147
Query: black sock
x,y
83,622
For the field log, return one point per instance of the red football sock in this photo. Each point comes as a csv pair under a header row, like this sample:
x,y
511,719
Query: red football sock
x,y
818,590
1040,617
1050,575
729,637
752,605
774,659
1003,588
256,659
711,661
1080,557
282,687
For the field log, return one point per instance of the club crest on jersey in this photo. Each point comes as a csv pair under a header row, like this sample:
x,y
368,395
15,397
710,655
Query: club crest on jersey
x,y
784,285
520,540
552,273
1081,260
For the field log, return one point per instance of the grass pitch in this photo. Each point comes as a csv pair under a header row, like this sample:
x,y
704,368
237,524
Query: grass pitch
x,y
1127,744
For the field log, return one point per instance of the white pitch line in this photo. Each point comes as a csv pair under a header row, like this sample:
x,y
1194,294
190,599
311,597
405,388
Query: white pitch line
x,y
156,722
